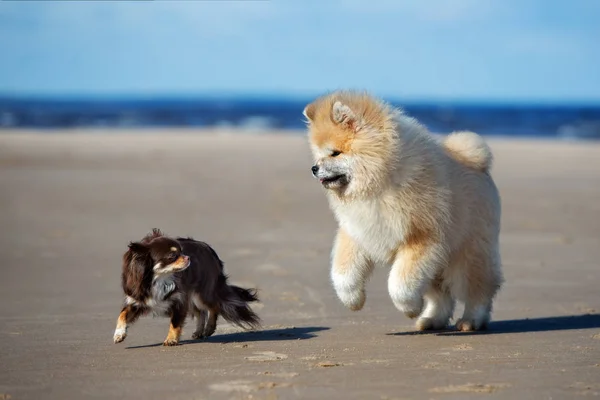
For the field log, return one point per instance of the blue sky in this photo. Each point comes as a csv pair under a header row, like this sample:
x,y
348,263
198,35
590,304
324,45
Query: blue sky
x,y
539,50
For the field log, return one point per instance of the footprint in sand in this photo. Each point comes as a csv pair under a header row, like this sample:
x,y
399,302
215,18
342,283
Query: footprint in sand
x,y
470,388
328,364
375,361
245,386
264,356
280,374
234,386
462,347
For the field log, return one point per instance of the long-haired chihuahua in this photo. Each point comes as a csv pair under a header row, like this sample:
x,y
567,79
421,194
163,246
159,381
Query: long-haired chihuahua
x,y
176,277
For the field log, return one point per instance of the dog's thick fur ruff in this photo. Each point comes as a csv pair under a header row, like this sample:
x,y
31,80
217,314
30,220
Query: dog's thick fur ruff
x,y
428,209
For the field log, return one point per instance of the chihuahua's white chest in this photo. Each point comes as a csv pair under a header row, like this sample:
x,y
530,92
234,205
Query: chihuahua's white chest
x,y
160,302
161,296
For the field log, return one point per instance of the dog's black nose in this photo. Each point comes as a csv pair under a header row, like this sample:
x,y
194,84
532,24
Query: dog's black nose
x,y
315,169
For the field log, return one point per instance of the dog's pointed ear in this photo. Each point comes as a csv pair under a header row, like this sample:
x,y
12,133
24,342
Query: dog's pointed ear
x,y
309,112
138,248
343,115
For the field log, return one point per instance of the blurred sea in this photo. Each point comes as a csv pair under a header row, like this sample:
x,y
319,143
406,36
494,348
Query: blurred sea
x,y
568,122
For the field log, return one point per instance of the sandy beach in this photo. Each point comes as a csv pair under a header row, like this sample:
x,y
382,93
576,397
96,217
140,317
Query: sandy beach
x,y
71,201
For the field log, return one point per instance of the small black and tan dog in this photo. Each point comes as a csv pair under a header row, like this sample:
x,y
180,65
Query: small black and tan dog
x,y
176,277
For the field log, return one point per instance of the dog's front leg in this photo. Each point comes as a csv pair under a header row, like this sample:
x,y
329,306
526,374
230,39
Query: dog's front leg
x,y
413,269
350,270
178,315
129,314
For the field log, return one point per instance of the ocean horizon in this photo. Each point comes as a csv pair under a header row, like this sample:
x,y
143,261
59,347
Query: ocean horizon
x,y
517,119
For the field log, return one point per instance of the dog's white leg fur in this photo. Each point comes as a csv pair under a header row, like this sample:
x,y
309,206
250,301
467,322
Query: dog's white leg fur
x,y
439,307
350,270
406,291
121,329
475,317
120,334
478,286
413,269
478,302
129,314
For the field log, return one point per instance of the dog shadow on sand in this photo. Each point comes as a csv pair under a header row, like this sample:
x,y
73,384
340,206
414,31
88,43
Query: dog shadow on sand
x,y
564,323
292,333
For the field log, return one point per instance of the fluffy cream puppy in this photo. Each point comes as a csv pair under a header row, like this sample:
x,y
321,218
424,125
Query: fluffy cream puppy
x,y
427,209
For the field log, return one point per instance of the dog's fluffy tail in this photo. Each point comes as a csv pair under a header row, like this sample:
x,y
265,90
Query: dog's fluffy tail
x,y
248,295
235,309
469,149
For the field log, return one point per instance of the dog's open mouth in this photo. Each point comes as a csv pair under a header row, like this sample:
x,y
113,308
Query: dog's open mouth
x,y
333,180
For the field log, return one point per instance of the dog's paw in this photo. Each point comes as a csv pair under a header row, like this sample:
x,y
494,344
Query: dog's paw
x,y
470,325
407,298
430,324
209,330
349,288
120,335
412,308
171,342
198,335
353,299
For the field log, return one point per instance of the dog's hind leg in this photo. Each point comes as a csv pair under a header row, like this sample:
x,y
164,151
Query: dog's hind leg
x,y
478,307
476,316
207,318
481,280
350,270
439,307
211,323
201,315
129,314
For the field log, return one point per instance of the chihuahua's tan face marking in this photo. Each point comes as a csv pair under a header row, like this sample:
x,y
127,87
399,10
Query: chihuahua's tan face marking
x,y
169,259
180,263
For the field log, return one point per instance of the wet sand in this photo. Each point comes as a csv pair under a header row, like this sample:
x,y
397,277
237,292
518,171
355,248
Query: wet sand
x,y
71,202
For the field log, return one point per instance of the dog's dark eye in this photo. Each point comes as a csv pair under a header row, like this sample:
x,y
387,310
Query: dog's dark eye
x,y
172,257
335,153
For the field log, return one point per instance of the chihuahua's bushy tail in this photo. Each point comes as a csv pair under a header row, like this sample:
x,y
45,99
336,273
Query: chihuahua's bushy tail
x,y
248,295
235,309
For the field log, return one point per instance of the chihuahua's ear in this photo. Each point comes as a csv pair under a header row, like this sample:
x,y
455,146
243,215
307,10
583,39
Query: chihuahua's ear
x,y
343,115
309,112
138,248
136,264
